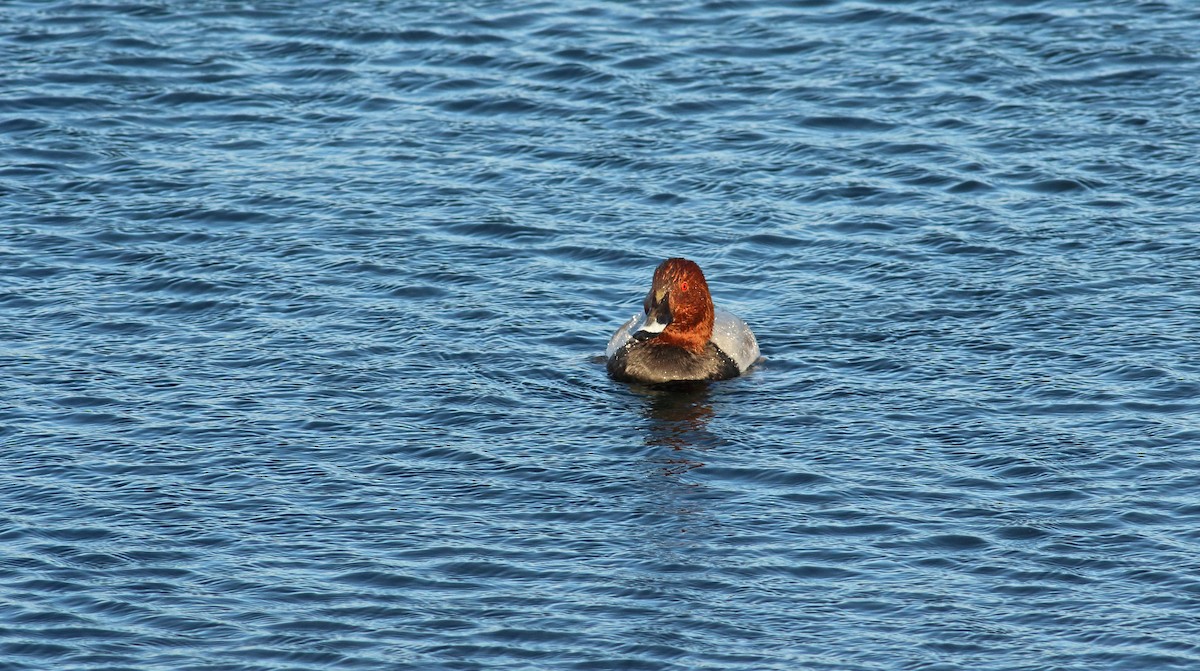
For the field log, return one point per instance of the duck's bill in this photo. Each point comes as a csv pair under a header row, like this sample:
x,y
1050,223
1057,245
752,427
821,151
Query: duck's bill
x,y
658,312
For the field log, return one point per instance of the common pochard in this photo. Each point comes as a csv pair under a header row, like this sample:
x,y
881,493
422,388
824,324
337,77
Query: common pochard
x,y
680,336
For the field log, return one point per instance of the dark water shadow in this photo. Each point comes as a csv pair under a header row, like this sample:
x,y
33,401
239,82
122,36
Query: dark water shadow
x,y
677,417
679,440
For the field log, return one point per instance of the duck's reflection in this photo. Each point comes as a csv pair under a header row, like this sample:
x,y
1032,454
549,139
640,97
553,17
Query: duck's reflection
x,y
677,417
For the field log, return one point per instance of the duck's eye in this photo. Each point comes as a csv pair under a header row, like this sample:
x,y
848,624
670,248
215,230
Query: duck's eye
x,y
683,286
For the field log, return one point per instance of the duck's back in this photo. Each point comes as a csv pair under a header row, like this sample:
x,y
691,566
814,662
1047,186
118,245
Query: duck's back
x,y
652,362
734,338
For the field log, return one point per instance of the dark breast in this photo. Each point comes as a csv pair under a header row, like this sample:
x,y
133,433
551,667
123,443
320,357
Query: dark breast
x,y
653,363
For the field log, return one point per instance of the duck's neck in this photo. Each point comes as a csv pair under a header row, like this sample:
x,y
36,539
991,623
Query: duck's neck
x,y
690,331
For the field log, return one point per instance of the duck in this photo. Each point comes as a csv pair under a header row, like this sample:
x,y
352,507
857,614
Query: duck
x,y
680,336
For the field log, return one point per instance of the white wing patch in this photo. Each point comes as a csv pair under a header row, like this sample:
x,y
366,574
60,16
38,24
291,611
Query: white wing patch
x,y
623,335
734,338
729,333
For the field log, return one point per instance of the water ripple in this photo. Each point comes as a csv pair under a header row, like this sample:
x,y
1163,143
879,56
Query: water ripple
x,y
303,307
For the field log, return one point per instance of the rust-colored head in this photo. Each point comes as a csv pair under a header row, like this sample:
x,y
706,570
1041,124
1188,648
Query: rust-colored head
x,y
679,299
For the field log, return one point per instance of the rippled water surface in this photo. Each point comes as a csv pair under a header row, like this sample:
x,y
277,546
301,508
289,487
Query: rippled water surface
x,y
302,308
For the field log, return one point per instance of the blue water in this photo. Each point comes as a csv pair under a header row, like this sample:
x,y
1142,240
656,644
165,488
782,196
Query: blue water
x,y
302,307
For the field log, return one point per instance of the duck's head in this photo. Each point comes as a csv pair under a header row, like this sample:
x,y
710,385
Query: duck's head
x,y
679,306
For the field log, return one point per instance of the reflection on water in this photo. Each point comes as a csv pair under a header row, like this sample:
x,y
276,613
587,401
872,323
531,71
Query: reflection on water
x,y
678,417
